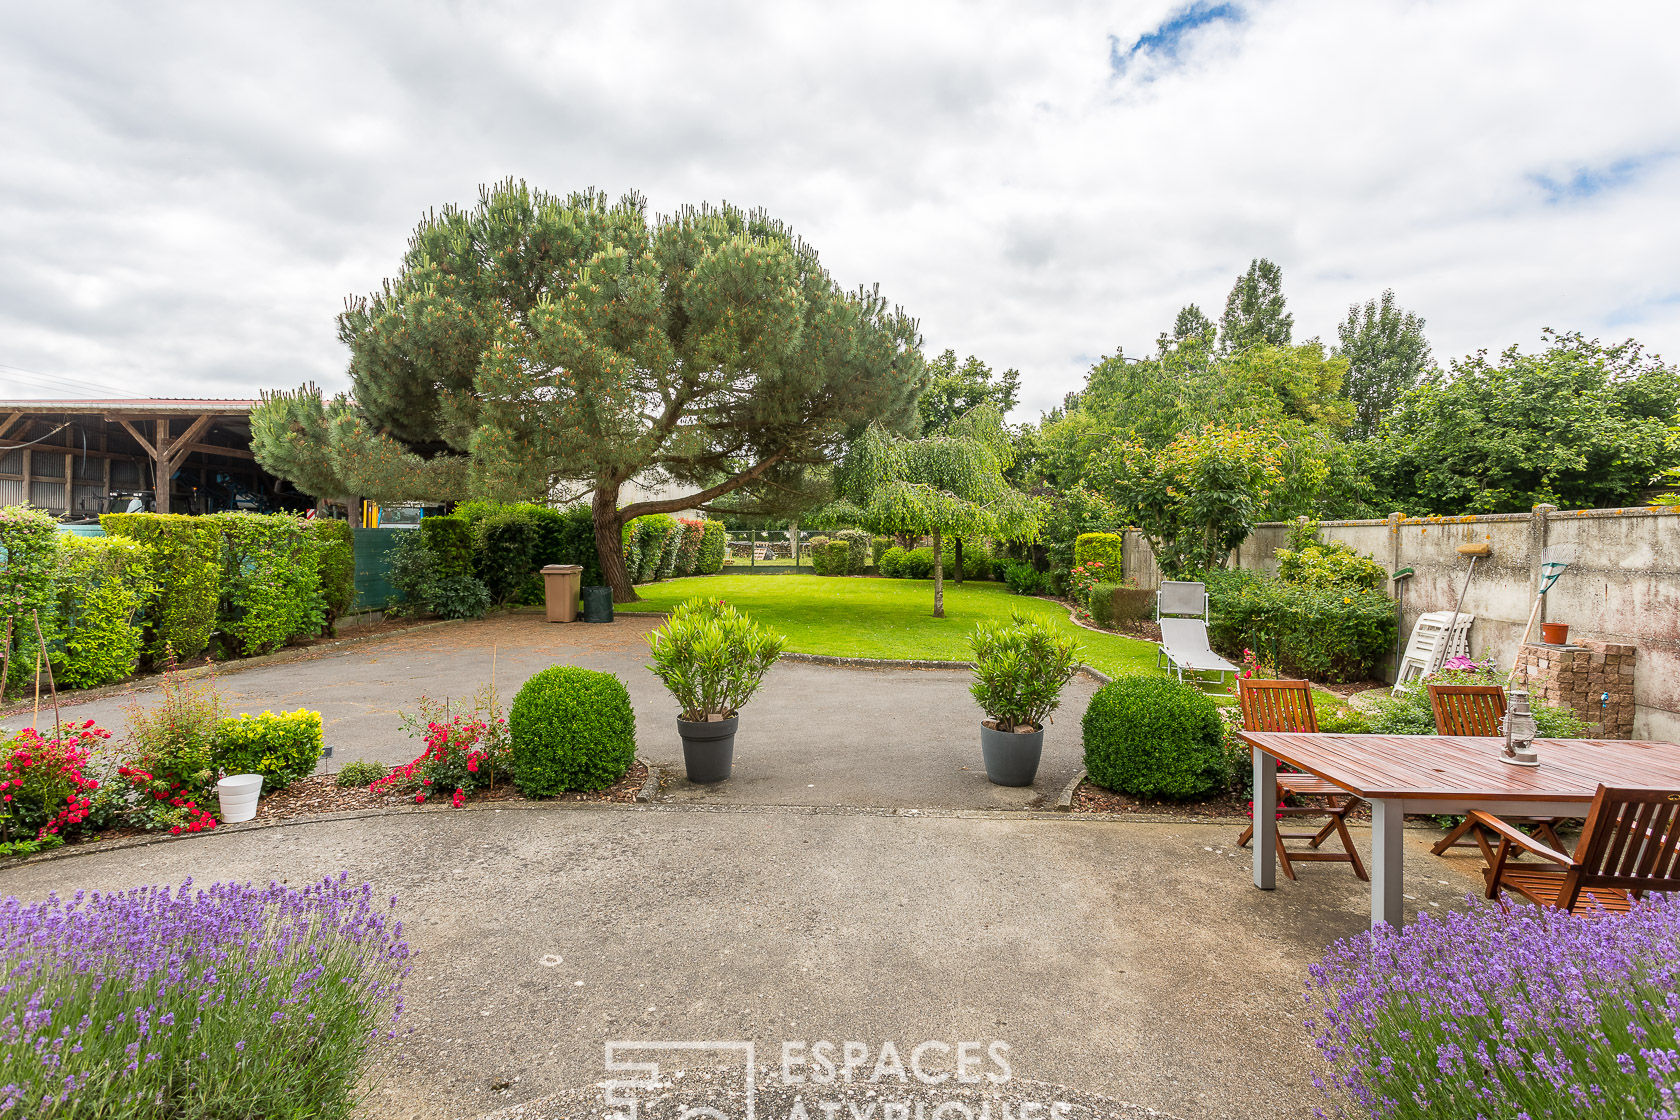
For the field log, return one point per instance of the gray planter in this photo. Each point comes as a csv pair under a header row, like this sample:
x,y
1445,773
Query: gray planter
x,y
1011,756
708,748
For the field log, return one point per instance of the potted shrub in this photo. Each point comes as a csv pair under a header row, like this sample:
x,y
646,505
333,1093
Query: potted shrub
x,y
712,658
1019,671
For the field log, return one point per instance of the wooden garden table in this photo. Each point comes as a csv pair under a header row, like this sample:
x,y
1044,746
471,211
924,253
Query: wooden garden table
x,y
1429,774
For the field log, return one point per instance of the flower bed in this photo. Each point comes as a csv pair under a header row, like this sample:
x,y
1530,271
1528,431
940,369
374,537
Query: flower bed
x,y
232,1001
1517,1012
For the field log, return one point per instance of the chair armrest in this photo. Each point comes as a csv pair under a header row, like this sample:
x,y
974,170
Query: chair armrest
x,y
1518,837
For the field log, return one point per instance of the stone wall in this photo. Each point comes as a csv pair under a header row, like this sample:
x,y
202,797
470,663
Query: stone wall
x,y
1623,586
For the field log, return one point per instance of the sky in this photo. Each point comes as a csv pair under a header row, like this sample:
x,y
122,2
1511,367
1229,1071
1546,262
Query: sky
x,y
188,192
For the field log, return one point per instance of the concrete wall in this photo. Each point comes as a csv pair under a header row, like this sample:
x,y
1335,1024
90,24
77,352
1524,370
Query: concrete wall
x,y
1623,584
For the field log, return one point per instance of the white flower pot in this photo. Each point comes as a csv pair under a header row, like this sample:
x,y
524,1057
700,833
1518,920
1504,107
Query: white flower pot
x,y
238,795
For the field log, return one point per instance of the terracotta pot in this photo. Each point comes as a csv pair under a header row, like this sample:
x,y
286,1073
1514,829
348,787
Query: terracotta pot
x,y
1554,633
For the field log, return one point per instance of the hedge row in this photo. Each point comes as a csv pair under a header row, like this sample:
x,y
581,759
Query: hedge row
x,y
161,585
1323,633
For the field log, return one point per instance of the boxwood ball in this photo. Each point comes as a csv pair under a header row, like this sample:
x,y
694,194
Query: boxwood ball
x,y
572,729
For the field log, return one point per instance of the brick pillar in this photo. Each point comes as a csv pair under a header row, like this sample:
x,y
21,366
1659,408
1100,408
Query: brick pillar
x,y
1593,679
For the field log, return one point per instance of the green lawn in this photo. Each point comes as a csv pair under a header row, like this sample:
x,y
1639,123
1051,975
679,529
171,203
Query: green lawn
x,y
888,618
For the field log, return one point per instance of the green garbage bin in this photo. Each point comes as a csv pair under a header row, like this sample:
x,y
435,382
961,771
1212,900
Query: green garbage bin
x,y
597,604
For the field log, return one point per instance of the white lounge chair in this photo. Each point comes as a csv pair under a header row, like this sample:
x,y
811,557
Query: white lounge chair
x,y
1184,641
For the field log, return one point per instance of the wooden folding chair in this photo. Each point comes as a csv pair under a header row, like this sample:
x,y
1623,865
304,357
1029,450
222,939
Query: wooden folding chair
x,y
1630,845
1287,706
1477,709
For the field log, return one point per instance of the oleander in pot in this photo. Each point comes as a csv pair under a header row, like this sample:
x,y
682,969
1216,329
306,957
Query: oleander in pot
x,y
713,659
1020,668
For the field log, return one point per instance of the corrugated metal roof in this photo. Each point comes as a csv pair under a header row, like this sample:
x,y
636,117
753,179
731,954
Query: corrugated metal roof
x,y
128,404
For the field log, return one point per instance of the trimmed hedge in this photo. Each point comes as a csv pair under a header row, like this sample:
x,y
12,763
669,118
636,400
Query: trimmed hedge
x,y
1151,736
335,553
571,729
830,558
857,545
504,550
103,585
185,568
877,549
917,564
688,545
668,556
29,539
656,534
282,747
1111,602
891,563
1321,633
714,547
448,538
1106,547
632,550
271,580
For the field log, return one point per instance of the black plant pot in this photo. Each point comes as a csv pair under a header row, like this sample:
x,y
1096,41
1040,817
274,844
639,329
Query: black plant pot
x,y
1011,756
708,748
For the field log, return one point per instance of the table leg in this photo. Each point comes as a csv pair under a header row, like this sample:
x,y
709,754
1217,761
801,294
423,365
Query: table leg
x,y
1387,849
1265,821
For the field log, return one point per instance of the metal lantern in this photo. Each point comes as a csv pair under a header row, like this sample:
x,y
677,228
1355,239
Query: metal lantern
x,y
1519,732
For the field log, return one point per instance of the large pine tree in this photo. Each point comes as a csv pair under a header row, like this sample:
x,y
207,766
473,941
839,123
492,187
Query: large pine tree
x,y
540,346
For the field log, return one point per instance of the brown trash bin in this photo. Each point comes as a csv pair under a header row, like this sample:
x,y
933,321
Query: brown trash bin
x,y
560,591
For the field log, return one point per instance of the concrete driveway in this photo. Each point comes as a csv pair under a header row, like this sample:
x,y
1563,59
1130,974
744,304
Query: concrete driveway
x,y
814,735
1127,959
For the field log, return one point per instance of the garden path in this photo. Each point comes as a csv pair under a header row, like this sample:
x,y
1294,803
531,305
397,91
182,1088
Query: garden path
x,y
815,735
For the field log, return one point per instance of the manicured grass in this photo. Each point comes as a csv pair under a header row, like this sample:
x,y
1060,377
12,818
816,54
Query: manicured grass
x,y
888,618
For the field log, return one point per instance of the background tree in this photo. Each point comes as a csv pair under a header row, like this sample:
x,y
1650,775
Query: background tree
x,y
1255,311
947,483
1580,424
955,390
1191,324
543,346
1195,499
1386,355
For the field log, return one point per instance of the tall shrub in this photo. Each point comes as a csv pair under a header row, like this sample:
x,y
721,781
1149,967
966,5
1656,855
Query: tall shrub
x,y
29,539
505,550
449,540
184,565
688,545
271,581
633,534
714,544
1099,546
655,531
103,584
1325,633
668,556
335,555
857,550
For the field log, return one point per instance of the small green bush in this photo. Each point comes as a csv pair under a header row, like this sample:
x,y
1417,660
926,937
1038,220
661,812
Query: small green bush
x,y
714,545
281,746
335,554
1024,579
185,572
1151,736
1106,547
504,550
359,774
857,550
891,562
830,557
271,581
877,549
1411,713
458,597
632,532
103,584
917,564
572,729
449,538
1020,669
712,657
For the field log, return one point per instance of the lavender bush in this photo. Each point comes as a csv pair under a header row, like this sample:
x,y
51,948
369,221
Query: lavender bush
x,y
1520,1013
234,1002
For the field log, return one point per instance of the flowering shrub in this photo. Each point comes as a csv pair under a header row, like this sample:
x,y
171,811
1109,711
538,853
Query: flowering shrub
x,y
465,751
1519,1012
1082,578
171,749
236,1001
45,784
157,801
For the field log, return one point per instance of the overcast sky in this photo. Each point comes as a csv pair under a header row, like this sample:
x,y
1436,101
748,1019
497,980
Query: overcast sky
x,y
189,191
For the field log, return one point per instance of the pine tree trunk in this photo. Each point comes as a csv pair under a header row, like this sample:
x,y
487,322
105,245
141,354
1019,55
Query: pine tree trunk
x,y
956,544
609,544
938,579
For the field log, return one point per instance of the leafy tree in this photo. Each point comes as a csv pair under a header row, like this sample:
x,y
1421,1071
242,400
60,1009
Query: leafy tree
x,y
540,346
955,390
1196,498
1671,477
1192,324
1580,424
947,483
1386,355
1254,311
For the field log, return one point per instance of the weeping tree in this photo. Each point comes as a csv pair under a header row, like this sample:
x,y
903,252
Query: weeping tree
x,y
949,483
547,347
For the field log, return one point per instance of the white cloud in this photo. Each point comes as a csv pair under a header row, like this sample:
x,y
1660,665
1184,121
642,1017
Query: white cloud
x,y
189,192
